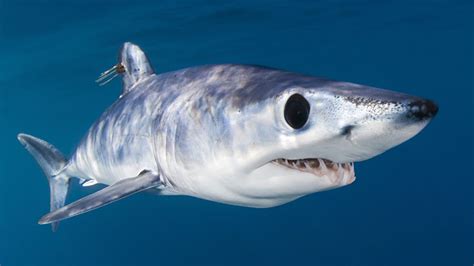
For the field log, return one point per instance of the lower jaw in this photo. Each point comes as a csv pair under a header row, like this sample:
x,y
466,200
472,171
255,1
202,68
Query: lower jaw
x,y
274,184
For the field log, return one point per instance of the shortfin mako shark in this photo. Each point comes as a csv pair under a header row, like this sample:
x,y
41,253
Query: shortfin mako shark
x,y
237,134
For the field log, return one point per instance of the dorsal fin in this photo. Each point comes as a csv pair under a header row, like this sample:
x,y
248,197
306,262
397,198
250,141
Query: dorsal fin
x,y
136,65
133,64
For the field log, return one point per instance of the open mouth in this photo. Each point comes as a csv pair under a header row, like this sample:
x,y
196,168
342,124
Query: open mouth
x,y
337,172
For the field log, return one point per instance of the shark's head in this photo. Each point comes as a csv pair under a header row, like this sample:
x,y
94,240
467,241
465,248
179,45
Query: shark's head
x,y
262,137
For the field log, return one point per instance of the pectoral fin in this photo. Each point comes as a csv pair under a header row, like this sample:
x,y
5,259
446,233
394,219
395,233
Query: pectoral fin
x,y
119,190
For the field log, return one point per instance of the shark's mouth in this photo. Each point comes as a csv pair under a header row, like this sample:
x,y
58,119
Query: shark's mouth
x,y
321,167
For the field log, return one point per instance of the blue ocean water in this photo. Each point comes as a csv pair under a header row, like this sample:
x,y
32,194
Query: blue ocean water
x,y
413,205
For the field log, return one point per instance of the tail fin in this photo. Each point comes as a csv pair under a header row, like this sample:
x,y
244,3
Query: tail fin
x,y
53,163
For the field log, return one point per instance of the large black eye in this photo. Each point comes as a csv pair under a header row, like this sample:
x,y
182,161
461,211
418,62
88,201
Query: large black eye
x,y
296,111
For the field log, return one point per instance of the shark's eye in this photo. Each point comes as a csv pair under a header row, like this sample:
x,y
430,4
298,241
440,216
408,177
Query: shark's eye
x,y
296,111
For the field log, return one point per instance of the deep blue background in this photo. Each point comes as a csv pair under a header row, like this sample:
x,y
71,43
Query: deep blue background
x,y
412,206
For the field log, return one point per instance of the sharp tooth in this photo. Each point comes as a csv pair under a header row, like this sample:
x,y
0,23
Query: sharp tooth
x,y
300,163
306,164
340,173
323,166
347,166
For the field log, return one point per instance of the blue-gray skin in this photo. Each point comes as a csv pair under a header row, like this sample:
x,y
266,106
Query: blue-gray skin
x,y
219,132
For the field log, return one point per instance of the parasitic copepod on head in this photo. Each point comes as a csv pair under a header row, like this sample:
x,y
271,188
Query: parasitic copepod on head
x,y
108,75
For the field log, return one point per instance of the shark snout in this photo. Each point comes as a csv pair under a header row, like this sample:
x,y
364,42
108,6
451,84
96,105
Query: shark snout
x,y
371,121
379,104
392,124
422,109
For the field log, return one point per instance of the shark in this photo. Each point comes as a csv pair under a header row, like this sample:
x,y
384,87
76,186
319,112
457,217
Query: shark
x,y
237,134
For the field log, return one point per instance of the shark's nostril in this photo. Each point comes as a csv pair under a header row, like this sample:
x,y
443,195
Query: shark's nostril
x,y
422,109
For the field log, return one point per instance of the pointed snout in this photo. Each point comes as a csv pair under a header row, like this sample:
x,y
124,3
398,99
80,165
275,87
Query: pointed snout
x,y
382,104
374,120
422,109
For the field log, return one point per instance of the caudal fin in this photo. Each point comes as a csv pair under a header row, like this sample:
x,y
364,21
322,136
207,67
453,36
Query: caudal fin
x,y
53,164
